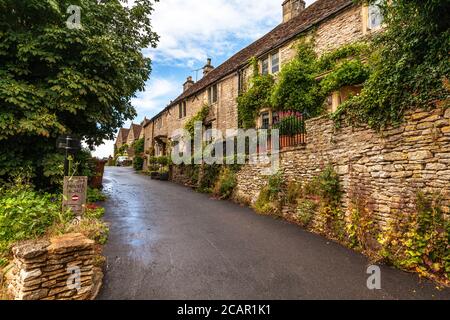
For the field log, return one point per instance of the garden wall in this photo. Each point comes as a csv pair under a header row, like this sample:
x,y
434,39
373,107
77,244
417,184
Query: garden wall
x,y
385,169
51,270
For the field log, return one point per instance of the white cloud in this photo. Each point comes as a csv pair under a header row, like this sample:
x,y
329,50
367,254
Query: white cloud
x,y
154,98
193,30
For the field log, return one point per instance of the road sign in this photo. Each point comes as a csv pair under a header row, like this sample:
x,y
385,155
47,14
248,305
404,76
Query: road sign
x,y
75,194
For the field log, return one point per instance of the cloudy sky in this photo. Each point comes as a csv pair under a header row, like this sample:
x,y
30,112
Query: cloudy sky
x,y
192,31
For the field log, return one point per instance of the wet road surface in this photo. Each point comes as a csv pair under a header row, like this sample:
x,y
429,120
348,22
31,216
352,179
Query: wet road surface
x,y
168,242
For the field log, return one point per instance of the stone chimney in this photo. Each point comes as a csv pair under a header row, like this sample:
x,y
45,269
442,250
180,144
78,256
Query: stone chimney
x,y
189,83
208,67
292,8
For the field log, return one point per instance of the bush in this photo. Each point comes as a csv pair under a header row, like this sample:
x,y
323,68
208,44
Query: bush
x,y
225,184
294,192
420,241
26,214
306,210
138,163
95,195
268,201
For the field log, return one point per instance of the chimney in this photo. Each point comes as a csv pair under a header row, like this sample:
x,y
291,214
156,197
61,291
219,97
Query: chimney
x,y
189,83
292,8
208,67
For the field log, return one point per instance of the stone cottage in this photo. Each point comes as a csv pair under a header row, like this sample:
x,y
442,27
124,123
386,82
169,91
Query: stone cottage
x,y
333,22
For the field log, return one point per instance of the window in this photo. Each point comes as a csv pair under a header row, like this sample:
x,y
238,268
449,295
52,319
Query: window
x,y
265,120
271,64
375,18
265,66
275,63
182,110
212,94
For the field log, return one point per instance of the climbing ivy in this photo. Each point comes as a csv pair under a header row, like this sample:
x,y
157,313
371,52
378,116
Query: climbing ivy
x,y
256,97
409,64
199,117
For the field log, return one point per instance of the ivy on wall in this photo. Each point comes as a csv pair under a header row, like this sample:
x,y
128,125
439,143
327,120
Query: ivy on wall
x,y
297,87
199,117
256,97
409,64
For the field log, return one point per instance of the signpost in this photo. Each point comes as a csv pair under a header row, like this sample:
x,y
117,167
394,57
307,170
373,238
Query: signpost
x,y
75,194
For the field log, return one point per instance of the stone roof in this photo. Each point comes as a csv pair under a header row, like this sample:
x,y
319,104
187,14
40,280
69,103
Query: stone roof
x,y
136,130
124,134
315,13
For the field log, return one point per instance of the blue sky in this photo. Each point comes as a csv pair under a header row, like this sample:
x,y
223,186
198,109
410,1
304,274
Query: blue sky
x,y
192,31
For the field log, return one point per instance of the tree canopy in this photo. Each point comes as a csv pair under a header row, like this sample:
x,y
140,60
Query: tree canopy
x,y
56,80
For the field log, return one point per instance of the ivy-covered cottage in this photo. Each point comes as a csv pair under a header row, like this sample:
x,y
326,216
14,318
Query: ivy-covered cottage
x,y
332,23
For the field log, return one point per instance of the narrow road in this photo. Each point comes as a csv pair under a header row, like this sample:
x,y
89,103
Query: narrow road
x,y
168,242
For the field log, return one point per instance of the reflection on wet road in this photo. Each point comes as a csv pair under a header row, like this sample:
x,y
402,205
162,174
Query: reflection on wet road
x,y
168,242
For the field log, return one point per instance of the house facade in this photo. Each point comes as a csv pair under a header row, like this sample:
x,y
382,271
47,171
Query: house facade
x,y
332,23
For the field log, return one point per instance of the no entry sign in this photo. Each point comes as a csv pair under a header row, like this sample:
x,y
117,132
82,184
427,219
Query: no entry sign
x,y
75,194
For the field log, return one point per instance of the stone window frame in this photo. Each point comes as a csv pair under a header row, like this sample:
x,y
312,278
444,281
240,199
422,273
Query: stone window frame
x,y
213,94
271,117
269,59
343,94
366,15
182,110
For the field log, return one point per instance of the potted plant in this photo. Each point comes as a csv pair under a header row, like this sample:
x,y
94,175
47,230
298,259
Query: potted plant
x,y
164,174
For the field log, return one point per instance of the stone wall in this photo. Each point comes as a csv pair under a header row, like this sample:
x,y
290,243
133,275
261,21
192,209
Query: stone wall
x,y
44,270
386,169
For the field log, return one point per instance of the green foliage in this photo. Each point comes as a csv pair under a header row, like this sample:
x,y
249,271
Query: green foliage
x,y
326,185
306,209
123,150
199,117
269,201
95,195
348,73
138,163
26,214
138,146
208,178
297,88
94,212
256,97
56,80
409,64
420,241
293,193
225,184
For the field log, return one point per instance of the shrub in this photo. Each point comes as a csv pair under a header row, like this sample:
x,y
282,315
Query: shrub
x,y
268,201
210,174
293,193
225,184
138,163
26,214
419,241
306,210
95,195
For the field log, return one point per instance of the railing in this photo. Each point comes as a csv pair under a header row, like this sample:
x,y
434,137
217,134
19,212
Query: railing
x,y
291,126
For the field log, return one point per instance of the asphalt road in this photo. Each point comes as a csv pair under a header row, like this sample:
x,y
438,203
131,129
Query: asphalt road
x,y
168,242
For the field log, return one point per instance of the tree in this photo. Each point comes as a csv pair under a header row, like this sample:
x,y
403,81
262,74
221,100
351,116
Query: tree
x,y
55,79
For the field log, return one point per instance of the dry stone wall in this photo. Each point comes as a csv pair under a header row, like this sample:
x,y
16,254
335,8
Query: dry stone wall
x,y
385,169
62,268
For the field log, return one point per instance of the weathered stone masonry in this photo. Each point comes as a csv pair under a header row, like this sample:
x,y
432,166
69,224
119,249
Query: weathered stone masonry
x,y
385,168
41,270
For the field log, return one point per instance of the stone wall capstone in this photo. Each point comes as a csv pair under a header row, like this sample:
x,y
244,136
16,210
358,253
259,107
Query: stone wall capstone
x,y
62,268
